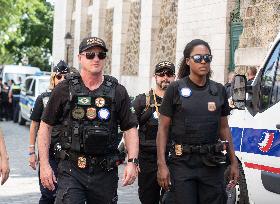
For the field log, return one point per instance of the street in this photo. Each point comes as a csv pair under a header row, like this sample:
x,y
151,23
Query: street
x,y
22,186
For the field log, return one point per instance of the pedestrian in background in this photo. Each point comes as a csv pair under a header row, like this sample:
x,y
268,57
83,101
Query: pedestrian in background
x,y
251,74
228,84
4,160
194,112
146,108
59,71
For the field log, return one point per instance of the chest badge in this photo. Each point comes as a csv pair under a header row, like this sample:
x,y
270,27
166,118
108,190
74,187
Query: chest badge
x,y
211,106
84,101
99,102
185,92
178,149
91,113
155,115
103,114
78,113
82,162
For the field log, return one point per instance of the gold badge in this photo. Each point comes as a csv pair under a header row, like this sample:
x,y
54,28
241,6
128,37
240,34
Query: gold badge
x,y
211,106
178,149
91,113
100,102
78,113
82,162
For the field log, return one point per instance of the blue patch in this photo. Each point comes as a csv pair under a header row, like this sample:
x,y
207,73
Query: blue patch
x,y
103,114
185,92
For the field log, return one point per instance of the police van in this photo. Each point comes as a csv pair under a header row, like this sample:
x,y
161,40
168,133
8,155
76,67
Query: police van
x,y
255,124
32,88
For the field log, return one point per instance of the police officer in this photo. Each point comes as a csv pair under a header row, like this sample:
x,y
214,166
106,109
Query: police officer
x,y
91,106
59,71
194,112
14,96
146,108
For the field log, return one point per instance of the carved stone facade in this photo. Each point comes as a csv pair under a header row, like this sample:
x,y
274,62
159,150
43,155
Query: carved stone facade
x,y
131,57
108,37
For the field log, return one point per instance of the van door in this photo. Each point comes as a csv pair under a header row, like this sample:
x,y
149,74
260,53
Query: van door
x,y
27,98
260,143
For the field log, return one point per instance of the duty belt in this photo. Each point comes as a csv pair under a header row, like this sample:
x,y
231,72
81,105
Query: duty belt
x,y
201,149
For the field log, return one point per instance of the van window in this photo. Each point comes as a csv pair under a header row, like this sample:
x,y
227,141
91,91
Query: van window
x,y
270,81
43,85
33,87
27,84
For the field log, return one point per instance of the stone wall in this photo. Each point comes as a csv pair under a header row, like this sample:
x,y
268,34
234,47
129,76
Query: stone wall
x,y
166,34
131,54
108,36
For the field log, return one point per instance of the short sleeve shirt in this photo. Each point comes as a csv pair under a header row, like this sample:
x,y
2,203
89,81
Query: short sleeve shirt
x,y
38,108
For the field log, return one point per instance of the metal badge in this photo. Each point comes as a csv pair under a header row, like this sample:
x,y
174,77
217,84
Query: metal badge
x,y
78,113
155,115
82,162
186,92
99,102
178,149
211,106
103,114
84,101
91,113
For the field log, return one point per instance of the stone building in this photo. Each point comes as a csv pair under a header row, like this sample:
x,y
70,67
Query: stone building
x,y
140,33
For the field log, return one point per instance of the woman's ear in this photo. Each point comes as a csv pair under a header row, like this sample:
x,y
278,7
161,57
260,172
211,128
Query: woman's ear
x,y
188,61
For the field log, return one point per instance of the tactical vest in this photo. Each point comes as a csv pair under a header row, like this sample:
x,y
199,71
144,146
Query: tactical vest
x,y
57,129
148,124
196,118
92,127
16,90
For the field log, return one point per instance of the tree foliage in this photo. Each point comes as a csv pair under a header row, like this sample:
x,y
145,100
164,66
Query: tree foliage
x,y
26,30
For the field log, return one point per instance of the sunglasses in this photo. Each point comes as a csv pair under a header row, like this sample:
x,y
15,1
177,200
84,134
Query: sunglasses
x,y
59,76
198,58
163,73
91,55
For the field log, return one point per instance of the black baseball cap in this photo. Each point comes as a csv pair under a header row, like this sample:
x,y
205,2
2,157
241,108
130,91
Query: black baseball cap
x,y
165,65
61,67
91,42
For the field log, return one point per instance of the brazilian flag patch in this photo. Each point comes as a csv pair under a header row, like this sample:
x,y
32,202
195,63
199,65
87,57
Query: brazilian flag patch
x,y
84,101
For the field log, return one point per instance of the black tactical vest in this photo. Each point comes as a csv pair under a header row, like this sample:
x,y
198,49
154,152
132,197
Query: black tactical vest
x,y
197,114
92,122
148,124
57,129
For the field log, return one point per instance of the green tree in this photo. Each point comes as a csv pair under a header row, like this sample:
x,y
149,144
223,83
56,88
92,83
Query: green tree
x,y
26,30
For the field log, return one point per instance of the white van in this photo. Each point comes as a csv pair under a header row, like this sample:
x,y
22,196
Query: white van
x,y
31,89
255,128
15,71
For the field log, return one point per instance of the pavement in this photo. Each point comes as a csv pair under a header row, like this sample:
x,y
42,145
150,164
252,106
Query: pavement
x,y
22,187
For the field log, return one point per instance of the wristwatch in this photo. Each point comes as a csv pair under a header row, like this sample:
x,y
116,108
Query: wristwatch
x,y
134,161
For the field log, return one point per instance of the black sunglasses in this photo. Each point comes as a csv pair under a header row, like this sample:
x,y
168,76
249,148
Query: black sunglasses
x,y
59,76
91,55
198,58
163,73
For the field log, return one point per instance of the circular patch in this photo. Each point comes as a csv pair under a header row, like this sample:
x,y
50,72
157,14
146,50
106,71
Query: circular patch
x,y
103,114
78,113
186,92
155,115
91,113
99,102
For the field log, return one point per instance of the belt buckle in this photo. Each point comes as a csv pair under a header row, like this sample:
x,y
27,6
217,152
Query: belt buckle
x,y
178,149
82,162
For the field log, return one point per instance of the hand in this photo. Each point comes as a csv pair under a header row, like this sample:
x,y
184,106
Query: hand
x,y
233,175
163,177
130,174
33,161
4,169
47,177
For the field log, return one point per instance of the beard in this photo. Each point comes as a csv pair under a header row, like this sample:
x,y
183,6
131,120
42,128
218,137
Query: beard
x,y
163,84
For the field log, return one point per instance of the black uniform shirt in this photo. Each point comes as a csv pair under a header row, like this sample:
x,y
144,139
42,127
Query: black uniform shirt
x,y
39,107
60,96
171,98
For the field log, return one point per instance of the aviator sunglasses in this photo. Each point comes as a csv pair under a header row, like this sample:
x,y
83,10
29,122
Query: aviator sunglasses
x,y
198,58
163,73
91,55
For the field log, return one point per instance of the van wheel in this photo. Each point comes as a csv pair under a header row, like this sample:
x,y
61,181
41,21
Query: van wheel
x,y
238,195
21,120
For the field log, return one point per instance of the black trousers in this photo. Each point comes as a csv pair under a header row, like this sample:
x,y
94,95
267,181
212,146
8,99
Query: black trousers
x,y
92,185
149,190
195,183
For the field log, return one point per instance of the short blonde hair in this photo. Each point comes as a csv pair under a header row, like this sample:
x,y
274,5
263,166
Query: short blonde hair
x,y
52,81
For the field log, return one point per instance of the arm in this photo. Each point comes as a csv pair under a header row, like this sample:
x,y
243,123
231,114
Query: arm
x,y
34,126
131,140
226,135
4,160
46,174
162,137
